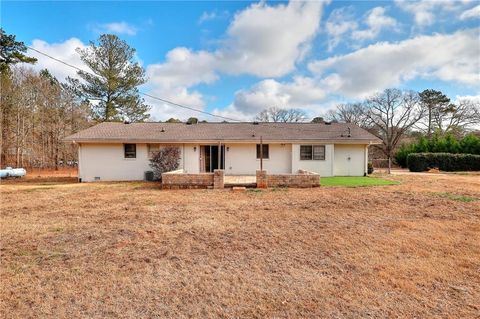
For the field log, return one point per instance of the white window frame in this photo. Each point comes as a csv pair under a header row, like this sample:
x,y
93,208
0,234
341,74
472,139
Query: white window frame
x,y
312,158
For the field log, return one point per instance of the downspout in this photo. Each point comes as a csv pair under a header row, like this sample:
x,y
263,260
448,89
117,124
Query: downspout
x,y
79,168
219,155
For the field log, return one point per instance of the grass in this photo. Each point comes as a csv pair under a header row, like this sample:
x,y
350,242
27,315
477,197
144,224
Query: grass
x,y
460,198
353,181
114,250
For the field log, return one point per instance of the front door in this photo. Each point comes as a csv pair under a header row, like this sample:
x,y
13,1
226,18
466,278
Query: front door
x,y
212,157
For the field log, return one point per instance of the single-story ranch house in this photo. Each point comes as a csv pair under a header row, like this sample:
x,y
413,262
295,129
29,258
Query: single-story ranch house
x,y
120,151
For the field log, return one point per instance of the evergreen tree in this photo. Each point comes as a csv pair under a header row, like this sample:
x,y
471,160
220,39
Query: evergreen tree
x,y
113,88
12,52
435,103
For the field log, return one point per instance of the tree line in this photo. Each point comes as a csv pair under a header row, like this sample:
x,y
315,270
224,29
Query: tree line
x,y
396,115
38,110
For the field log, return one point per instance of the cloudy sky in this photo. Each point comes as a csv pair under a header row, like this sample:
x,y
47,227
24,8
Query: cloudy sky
x,y
236,58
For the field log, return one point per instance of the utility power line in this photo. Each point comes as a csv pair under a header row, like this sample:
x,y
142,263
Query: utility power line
x,y
171,102
142,93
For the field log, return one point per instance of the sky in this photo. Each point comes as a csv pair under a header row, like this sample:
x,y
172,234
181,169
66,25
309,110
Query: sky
x,y
236,58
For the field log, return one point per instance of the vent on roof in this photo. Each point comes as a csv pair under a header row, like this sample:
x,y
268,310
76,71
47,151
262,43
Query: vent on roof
x,y
126,122
255,123
349,133
328,123
162,130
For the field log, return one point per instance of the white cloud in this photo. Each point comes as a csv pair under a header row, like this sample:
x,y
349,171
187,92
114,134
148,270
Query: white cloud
x,y
172,79
340,22
301,92
162,111
474,98
267,41
425,11
471,13
447,57
261,40
183,67
376,20
117,28
64,51
213,15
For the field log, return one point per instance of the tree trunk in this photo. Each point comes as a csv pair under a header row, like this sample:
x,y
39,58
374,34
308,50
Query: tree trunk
x,y
389,164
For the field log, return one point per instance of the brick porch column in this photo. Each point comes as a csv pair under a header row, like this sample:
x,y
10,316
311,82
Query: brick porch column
x,y
262,179
218,182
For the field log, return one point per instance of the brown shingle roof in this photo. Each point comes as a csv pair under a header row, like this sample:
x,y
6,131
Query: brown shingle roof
x,y
181,132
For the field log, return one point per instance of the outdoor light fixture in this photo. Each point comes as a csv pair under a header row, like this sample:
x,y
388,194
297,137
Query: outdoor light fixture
x,y
194,148
228,148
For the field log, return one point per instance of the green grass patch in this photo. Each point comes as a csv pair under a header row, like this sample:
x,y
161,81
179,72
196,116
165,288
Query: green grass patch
x,y
355,181
460,198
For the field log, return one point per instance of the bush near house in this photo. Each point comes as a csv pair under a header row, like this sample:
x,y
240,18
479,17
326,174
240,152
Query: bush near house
x,y
370,168
469,144
165,160
420,162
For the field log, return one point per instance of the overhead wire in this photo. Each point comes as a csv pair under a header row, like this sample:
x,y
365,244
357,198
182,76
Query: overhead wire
x,y
174,103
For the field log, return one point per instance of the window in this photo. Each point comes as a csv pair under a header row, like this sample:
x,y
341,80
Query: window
x,y
312,152
130,150
152,149
264,151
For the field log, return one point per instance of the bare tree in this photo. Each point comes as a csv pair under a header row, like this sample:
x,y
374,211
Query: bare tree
x,y
37,112
347,113
458,118
390,114
275,114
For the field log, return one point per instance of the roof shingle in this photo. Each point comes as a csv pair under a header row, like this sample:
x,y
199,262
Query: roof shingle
x,y
180,132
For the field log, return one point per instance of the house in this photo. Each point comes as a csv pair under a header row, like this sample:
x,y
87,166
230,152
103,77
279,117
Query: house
x,y
121,151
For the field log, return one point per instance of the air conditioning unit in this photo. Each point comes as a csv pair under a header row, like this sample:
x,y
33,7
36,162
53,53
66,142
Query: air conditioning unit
x,y
149,176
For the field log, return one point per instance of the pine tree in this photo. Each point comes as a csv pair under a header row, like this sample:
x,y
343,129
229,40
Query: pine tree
x,y
435,103
112,89
12,52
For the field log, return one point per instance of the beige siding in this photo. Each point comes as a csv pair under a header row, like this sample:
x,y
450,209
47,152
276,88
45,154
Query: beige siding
x,y
350,160
107,162
192,158
322,167
241,159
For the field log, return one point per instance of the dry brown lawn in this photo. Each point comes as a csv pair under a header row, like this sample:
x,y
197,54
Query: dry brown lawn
x,y
130,250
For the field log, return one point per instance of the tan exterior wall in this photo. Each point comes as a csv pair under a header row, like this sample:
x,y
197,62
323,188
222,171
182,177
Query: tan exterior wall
x,y
350,160
322,167
191,152
107,162
241,159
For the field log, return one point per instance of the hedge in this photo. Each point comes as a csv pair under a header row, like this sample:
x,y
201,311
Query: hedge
x,y
420,162
469,144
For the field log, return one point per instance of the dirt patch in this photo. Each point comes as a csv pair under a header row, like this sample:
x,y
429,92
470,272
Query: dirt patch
x,y
131,250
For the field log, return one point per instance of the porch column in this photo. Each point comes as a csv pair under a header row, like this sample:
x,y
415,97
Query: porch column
x,y
218,181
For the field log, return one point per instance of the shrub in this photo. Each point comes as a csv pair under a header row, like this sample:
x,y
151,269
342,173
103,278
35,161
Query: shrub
x,y
420,162
165,160
370,168
469,144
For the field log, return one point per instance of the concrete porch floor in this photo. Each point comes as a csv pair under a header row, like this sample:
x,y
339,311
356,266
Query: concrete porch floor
x,y
239,179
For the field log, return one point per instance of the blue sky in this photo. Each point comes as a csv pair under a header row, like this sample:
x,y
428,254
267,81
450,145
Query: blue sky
x,y
236,58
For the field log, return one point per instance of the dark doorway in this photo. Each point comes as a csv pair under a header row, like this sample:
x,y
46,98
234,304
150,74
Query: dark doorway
x,y
211,159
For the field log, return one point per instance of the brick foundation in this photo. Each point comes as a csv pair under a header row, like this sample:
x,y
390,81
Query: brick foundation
x,y
303,179
180,180
262,181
